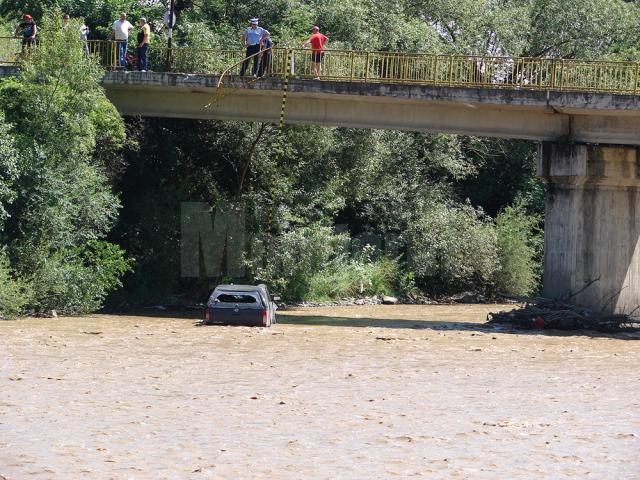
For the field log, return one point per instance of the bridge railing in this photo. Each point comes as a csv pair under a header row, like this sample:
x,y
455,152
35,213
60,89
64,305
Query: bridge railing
x,y
427,69
105,51
388,67
471,71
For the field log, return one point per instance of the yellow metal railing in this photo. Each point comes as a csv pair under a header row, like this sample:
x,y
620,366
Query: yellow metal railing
x,y
106,51
11,51
388,67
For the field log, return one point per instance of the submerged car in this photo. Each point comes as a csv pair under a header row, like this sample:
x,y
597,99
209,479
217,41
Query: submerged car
x,y
249,305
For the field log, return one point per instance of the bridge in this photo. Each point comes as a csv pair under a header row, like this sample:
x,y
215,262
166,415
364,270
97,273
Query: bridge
x,y
586,116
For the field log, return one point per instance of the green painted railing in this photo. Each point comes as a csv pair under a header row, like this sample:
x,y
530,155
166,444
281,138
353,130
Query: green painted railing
x,y
386,67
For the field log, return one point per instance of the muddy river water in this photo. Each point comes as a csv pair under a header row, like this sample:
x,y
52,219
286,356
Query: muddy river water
x,y
352,392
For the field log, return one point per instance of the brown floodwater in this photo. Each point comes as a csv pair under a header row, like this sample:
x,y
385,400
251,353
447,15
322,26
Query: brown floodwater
x,y
353,392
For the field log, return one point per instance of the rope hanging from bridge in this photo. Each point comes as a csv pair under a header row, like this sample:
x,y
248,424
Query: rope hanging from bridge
x,y
222,92
283,107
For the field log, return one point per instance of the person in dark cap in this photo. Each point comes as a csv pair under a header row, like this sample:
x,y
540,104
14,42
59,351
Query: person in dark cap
x,y
251,39
29,30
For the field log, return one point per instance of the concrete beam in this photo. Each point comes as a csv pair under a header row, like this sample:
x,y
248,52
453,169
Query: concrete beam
x,y
523,114
343,110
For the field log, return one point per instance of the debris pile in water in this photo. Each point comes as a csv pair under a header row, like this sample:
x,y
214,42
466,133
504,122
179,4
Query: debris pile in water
x,y
540,313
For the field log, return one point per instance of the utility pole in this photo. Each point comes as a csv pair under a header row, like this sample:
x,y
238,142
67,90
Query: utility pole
x,y
170,39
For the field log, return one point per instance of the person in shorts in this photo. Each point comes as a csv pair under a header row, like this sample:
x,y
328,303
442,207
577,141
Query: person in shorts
x,y
317,41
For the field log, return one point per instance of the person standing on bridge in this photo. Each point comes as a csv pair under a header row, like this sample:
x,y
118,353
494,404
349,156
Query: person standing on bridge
x,y
84,35
120,31
265,47
317,41
29,31
142,51
251,39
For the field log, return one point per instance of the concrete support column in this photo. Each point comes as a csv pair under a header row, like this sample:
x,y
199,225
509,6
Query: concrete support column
x,y
592,228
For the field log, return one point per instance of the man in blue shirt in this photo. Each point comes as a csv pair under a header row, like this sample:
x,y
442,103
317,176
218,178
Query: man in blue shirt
x,y
265,47
251,38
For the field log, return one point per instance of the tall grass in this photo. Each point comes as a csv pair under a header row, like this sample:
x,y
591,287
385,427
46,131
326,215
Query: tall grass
x,y
354,278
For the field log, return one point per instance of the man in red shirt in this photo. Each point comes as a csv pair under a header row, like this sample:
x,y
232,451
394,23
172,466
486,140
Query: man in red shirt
x,y
317,42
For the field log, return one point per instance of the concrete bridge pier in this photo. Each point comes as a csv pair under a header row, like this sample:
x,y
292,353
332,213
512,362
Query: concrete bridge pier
x,y
592,226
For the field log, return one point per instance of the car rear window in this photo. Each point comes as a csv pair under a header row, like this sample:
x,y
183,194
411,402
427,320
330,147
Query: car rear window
x,y
235,298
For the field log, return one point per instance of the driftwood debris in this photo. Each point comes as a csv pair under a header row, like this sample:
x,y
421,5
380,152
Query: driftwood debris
x,y
541,313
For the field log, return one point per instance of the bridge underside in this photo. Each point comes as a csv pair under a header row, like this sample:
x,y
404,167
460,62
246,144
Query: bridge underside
x,y
522,114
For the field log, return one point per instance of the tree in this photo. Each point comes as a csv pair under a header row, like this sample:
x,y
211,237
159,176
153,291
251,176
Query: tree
x,y
586,29
63,203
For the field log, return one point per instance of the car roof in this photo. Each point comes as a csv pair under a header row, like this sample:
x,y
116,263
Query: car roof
x,y
238,288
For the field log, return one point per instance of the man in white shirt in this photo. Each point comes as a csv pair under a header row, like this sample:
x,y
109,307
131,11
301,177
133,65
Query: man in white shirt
x,y
120,30
84,35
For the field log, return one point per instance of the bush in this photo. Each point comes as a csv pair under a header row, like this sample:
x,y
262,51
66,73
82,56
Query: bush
x,y
453,249
9,160
14,294
313,263
520,242
346,278
287,262
77,281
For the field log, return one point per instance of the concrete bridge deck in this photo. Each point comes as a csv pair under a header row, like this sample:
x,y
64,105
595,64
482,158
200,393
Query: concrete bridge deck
x,y
509,113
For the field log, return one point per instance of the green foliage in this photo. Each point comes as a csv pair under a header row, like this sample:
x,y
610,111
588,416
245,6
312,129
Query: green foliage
x,y
314,263
506,170
520,243
287,262
453,249
14,294
483,27
355,277
585,29
60,204
9,158
77,280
